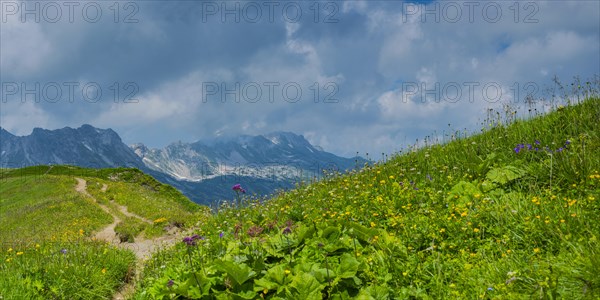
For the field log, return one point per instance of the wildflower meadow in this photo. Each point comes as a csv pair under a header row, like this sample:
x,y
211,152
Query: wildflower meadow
x,y
510,212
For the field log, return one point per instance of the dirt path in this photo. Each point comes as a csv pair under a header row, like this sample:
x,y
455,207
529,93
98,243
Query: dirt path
x,y
142,247
107,233
124,211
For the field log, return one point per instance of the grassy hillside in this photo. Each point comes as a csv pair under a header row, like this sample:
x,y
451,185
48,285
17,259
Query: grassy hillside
x,y
511,213
47,245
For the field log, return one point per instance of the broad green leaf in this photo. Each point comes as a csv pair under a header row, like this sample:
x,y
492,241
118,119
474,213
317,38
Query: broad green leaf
x,y
305,233
487,186
322,274
489,160
306,286
348,266
334,246
374,293
504,175
462,192
247,295
273,279
240,273
264,283
362,233
331,233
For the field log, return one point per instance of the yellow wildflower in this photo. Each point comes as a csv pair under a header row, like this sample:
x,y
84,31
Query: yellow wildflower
x,y
160,220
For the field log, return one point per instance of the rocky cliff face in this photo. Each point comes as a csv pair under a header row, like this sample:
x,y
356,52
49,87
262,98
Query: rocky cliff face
x,y
85,146
277,156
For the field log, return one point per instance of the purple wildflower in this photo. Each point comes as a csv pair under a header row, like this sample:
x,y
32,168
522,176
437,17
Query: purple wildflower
x,y
567,142
238,188
188,240
537,142
287,230
63,251
170,283
221,235
528,146
559,149
197,237
517,149
429,177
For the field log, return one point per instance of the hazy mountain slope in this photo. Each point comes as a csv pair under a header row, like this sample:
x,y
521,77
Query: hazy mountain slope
x,y
277,156
204,172
85,146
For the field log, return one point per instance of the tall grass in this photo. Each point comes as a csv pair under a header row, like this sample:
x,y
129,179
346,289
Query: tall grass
x,y
510,213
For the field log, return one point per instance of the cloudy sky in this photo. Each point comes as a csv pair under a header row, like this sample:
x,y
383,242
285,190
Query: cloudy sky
x,y
351,76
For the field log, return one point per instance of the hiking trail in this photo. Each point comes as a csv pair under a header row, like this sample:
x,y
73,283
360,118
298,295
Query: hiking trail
x,y
142,247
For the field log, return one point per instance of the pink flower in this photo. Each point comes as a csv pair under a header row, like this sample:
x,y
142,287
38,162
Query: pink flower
x,y
238,188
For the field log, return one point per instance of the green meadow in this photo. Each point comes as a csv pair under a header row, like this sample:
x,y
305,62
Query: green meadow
x,y
47,243
510,212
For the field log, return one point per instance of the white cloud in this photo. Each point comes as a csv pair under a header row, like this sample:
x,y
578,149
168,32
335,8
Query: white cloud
x,y
403,41
172,103
401,106
358,6
23,117
426,76
474,63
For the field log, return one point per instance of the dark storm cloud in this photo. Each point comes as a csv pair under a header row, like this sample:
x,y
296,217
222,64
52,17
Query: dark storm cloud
x,y
195,70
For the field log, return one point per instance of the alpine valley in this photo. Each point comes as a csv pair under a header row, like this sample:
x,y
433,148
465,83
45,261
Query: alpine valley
x,y
204,171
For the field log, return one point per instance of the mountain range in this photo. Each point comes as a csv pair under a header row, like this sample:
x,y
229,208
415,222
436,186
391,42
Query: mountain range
x,y
203,171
